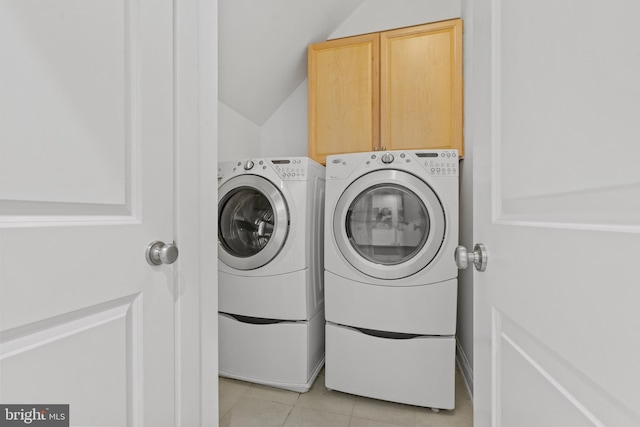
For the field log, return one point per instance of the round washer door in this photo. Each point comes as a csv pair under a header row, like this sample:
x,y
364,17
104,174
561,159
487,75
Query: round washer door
x,y
253,222
389,224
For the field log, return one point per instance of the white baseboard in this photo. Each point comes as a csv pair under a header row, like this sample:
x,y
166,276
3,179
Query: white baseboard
x,y
465,368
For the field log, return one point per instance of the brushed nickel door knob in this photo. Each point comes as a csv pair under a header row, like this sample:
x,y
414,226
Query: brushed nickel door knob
x,y
161,253
478,257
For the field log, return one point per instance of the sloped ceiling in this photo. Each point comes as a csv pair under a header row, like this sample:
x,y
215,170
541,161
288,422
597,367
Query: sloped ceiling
x,y
263,49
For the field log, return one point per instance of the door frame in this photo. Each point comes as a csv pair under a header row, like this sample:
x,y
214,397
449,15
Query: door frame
x,y
196,116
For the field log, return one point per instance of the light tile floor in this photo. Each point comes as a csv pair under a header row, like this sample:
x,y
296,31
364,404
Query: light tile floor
x,y
245,404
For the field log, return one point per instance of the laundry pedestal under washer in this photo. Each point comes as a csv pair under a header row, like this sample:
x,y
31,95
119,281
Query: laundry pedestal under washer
x,y
391,227
270,271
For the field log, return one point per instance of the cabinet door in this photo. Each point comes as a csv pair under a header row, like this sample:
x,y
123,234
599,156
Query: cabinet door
x,y
421,87
344,92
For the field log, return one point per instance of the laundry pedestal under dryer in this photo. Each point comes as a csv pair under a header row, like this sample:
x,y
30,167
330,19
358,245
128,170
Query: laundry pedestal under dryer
x,y
391,227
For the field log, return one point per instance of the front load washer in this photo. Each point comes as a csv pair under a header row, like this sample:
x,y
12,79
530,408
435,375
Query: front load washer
x,y
391,227
270,271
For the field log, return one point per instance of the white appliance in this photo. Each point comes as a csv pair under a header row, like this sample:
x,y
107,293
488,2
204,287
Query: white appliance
x,y
391,228
270,274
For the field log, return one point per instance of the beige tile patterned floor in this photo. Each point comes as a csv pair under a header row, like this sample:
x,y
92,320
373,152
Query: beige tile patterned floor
x,y
251,405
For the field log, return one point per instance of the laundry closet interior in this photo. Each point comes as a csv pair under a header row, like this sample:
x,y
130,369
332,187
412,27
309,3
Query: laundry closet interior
x,y
342,195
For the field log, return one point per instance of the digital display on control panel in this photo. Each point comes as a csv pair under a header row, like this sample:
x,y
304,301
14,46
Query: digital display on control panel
x,y
280,162
427,154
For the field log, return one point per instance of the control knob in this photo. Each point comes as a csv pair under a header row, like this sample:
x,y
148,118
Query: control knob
x,y
248,165
387,158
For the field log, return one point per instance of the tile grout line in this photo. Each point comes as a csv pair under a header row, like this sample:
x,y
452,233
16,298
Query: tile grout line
x,y
288,415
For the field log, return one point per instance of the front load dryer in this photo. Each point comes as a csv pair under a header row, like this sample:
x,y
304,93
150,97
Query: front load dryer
x,y
391,227
271,301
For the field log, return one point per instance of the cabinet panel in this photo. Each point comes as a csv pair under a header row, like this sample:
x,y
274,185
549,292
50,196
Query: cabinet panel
x,y
421,87
395,90
344,84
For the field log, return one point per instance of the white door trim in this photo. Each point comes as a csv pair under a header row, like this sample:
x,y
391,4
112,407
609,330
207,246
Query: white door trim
x,y
196,65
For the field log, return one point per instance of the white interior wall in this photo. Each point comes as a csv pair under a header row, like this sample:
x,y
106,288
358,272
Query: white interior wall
x,y
238,137
381,15
285,133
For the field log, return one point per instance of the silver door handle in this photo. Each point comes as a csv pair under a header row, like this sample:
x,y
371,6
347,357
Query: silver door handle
x,y
161,253
478,257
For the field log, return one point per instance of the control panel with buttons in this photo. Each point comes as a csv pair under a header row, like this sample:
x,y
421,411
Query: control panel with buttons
x,y
441,168
435,162
290,169
287,169
440,163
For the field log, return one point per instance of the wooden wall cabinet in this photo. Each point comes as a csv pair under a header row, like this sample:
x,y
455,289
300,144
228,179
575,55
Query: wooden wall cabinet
x,y
394,90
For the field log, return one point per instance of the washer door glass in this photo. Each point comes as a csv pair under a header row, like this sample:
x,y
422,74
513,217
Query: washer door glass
x,y
387,224
252,223
246,223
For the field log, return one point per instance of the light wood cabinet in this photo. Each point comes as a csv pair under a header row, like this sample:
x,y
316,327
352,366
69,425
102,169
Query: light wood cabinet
x,y
344,95
398,89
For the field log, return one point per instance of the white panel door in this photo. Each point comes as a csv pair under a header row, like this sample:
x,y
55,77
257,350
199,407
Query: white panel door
x,y
554,118
86,182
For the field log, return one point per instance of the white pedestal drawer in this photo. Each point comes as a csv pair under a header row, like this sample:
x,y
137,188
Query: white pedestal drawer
x,y
417,371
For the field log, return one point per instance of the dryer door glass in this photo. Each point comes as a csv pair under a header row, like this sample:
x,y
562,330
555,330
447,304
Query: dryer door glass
x,y
387,224
246,223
